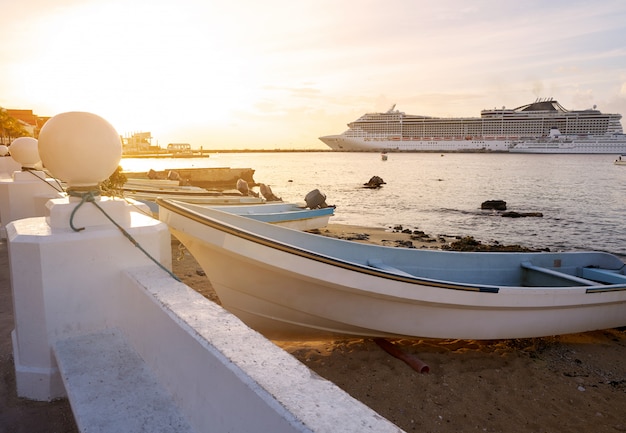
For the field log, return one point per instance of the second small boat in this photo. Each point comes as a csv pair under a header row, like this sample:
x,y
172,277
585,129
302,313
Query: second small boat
x,y
290,215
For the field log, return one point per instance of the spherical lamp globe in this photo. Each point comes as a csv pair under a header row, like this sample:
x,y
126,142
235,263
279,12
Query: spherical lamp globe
x,y
24,150
80,148
3,150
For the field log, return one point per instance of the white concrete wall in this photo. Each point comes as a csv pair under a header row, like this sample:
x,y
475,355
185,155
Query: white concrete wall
x,y
222,375
225,376
63,283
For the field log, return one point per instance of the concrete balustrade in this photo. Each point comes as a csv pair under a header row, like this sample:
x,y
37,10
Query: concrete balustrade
x,y
105,323
98,321
64,281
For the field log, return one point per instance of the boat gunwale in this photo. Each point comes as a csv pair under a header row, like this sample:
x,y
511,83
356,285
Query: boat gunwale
x,y
292,214
304,253
173,206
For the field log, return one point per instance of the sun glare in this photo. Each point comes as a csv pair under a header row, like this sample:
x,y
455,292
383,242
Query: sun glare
x,y
293,71
97,58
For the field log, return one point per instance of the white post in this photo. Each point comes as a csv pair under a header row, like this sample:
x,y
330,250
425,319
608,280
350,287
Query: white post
x,y
65,282
66,266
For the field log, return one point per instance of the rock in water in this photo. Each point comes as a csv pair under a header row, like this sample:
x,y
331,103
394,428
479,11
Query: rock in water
x,y
374,182
493,204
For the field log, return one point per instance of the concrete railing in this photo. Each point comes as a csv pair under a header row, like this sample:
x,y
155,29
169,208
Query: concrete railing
x,y
210,371
137,351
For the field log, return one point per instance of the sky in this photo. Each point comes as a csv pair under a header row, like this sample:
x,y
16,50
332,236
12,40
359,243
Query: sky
x,y
278,74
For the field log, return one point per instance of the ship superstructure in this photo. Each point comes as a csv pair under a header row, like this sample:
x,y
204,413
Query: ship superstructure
x,y
496,130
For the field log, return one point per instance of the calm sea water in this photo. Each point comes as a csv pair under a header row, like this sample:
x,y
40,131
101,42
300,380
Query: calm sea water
x,y
582,197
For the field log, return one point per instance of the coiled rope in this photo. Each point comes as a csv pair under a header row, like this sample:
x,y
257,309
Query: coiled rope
x,y
90,196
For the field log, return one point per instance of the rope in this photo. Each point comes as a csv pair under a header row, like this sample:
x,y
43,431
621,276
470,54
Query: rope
x,y
33,170
90,196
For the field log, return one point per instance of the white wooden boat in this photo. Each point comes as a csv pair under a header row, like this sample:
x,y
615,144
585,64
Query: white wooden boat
x,y
621,160
291,284
148,190
290,215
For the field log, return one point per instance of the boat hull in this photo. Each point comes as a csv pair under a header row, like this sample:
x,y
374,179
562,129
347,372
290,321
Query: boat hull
x,y
287,215
602,146
297,292
148,190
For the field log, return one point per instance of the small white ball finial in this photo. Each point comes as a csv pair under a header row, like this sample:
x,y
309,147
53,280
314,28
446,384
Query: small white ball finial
x,y
3,150
80,148
24,150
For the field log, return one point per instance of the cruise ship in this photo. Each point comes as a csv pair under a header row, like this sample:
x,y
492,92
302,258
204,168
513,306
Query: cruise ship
x,y
521,129
556,142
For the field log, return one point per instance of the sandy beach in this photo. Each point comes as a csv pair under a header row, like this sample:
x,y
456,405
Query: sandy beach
x,y
571,383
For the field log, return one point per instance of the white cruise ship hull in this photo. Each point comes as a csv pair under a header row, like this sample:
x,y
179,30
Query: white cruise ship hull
x,y
345,143
609,146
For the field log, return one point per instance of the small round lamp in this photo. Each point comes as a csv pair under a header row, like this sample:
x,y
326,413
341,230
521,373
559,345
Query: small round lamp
x,y
82,149
24,150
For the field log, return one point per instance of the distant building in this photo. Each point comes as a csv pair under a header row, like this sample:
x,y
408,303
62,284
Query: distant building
x,y
179,148
138,142
30,122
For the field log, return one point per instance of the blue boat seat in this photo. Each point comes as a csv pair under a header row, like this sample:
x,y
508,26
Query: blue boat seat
x,y
606,276
556,275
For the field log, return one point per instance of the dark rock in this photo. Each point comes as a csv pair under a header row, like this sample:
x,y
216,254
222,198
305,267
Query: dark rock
x,y
356,237
512,214
493,204
420,235
374,182
404,244
468,243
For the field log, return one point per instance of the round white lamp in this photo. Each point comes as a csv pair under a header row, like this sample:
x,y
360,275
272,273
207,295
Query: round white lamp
x,y
3,150
24,150
80,148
